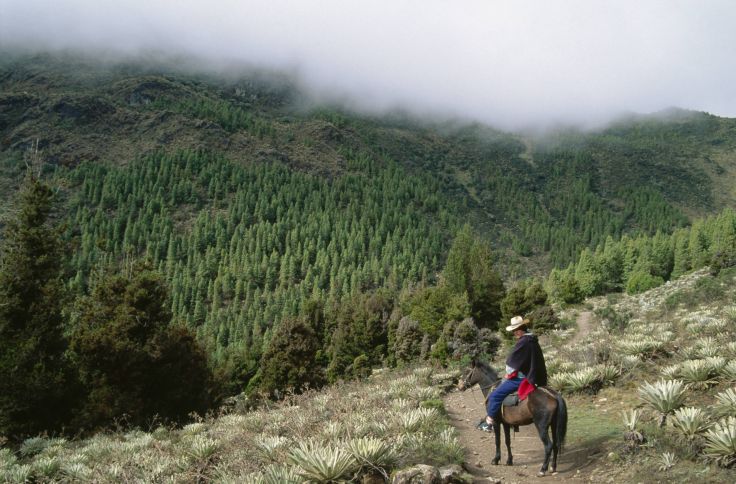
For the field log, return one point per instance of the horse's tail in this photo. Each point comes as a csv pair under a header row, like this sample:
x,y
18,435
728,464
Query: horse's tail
x,y
561,431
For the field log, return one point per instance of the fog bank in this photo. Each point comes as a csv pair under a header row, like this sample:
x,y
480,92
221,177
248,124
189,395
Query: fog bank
x,y
511,64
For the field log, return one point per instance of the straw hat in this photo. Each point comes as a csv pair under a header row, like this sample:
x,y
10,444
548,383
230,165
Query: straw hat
x,y
517,322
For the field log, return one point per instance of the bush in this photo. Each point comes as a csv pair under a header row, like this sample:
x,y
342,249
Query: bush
x,y
290,361
708,289
408,340
522,299
642,281
132,361
543,319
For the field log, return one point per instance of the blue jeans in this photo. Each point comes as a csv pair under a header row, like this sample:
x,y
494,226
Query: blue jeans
x,y
506,388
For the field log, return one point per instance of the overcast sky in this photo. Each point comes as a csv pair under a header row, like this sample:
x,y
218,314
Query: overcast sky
x,y
510,63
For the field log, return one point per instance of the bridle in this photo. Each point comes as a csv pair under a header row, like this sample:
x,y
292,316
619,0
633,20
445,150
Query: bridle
x,y
483,389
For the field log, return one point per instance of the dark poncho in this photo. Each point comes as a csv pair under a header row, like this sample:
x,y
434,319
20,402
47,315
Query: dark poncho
x,y
527,358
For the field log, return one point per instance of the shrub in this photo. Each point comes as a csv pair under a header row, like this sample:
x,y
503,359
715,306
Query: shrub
x,y
408,339
290,360
543,319
642,281
708,289
664,396
321,463
727,401
132,360
690,422
720,443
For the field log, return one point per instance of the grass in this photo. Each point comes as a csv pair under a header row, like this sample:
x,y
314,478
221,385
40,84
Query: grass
x,y
682,330
340,433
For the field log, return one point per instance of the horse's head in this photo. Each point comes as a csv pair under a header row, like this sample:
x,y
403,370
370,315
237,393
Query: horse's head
x,y
470,378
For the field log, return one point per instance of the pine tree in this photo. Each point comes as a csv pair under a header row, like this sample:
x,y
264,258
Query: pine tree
x,y
469,269
132,360
35,380
290,360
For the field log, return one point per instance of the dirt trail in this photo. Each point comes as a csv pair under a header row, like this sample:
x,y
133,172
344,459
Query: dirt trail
x,y
583,322
466,409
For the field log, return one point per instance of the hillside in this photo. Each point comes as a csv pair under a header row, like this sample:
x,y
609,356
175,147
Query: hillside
x,y
395,418
542,197
258,205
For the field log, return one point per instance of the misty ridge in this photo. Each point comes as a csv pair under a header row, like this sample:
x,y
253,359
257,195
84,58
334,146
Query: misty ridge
x,y
294,94
522,66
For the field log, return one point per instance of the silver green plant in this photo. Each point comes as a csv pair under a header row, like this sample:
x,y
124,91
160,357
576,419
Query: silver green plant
x,y
697,373
17,473
728,371
727,401
46,466
690,422
668,460
707,346
77,471
607,374
269,445
33,446
671,371
631,421
321,463
664,396
371,452
202,448
720,442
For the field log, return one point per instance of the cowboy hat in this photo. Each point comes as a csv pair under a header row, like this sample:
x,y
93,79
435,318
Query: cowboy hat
x,y
517,322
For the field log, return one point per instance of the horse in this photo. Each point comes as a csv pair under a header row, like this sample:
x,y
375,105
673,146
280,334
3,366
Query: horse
x,y
543,407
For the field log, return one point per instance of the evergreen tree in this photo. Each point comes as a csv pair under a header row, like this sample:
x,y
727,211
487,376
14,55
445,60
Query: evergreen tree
x,y
469,269
132,360
522,299
290,361
35,380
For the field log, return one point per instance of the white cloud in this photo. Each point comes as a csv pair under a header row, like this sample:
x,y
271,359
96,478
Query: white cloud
x,y
509,63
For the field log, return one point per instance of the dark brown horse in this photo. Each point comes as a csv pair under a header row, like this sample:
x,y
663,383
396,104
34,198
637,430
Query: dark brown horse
x,y
543,407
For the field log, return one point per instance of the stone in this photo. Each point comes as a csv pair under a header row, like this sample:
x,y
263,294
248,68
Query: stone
x,y
373,478
419,474
453,474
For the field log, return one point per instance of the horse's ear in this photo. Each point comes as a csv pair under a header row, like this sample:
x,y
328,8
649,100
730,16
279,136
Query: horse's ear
x,y
473,362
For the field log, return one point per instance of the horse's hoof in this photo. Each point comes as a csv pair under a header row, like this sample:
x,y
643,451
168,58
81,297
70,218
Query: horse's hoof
x,y
541,474
495,462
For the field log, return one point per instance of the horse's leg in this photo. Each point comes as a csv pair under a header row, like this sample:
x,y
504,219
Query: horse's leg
x,y
555,444
543,429
497,435
507,436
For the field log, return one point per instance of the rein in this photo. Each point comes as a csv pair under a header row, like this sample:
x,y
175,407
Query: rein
x,y
488,387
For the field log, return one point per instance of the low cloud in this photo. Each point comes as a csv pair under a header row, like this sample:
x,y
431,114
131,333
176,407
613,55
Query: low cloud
x,y
508,63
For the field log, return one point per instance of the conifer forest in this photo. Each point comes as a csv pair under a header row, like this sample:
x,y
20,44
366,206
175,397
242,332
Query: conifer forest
x,y
255,241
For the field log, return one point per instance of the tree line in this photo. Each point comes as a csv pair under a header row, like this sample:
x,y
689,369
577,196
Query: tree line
x,y
261,277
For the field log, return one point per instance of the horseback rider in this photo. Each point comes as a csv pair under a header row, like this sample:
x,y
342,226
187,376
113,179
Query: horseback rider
x,y
525,368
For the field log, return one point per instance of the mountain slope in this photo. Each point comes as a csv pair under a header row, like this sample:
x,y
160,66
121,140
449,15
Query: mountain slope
x,y
252,199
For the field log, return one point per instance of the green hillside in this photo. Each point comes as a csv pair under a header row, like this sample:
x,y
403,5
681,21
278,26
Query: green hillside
x,y
542,197
256,204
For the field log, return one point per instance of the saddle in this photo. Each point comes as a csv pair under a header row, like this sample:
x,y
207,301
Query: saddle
x,y
511,400
515,412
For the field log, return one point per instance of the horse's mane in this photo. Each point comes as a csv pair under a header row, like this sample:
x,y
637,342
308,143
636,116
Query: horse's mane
x,y
488,369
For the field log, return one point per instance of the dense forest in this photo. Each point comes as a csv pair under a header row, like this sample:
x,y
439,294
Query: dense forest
x,y
279,243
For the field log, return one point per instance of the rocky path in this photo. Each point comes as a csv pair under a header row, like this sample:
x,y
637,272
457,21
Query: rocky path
x,y
583,321
466,409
